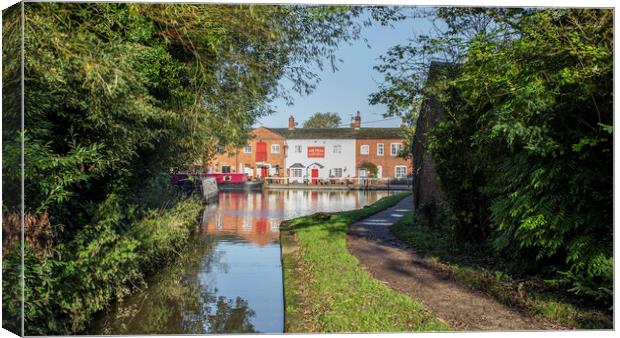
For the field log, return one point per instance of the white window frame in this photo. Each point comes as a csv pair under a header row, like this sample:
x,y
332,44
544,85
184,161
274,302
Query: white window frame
x,y
299,149
380,149
229,169
336,170
359,173
399,147
364,149
396,171
275,148
379,171
337,149
247,149
297,170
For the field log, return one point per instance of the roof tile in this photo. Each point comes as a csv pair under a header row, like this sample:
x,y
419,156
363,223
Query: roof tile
x,y
339,133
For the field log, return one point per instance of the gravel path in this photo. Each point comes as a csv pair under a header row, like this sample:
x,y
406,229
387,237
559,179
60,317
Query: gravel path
x,y
402,269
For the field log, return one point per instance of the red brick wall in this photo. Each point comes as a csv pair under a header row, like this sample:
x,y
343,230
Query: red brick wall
x,y
234,160
388,161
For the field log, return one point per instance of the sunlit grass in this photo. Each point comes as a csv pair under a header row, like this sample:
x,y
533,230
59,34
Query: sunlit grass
x,y
328,291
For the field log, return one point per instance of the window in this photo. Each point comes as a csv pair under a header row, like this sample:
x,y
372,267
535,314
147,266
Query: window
x,y
396,147
275,148
379,171
380,149
219,149
337,172
298,149
401,171
225,169
296,172
247,149
337,149
362,173
364,149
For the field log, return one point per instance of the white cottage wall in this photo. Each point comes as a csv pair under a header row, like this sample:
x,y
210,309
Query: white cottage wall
x,y
344,160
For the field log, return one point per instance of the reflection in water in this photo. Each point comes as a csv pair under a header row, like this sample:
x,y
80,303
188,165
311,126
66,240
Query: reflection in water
x,y
176,302
231,317
229,278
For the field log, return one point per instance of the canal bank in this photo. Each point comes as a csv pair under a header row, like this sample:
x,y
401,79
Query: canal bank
x,y
326,290
228,277
337,187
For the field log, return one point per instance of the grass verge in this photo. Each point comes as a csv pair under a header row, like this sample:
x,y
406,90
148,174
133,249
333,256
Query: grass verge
x,y
326,290
531,294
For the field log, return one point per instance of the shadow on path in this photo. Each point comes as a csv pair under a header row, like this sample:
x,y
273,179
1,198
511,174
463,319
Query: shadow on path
x,y
403,269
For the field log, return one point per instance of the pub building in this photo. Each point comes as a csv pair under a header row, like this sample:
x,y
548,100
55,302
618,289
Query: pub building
x,y
314,155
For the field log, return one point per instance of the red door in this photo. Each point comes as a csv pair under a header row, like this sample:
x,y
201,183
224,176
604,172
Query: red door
x,y
263,171
261,151
315,175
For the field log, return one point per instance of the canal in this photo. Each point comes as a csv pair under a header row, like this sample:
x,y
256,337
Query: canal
x,y
229,277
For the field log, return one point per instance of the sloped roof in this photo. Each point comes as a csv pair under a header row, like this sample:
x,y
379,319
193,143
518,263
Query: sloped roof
x,y
317,164
339,133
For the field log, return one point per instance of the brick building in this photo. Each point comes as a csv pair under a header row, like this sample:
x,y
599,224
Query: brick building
x,y
383,153
309,154
263,156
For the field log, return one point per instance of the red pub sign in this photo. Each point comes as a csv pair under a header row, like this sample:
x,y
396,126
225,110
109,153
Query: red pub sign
x,y
316,152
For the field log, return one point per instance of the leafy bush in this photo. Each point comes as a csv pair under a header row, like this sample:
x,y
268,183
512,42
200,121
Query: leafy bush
x,y
371,168
12,290
524,151
102,263
528,156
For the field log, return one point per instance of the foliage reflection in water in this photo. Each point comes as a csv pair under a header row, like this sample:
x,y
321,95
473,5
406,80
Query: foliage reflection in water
x,y
229,279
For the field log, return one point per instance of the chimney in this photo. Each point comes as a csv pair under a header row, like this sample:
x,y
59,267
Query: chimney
x,y
291,123
357,121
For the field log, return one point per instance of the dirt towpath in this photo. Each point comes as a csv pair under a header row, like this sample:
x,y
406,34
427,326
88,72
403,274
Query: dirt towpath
x,y
402,269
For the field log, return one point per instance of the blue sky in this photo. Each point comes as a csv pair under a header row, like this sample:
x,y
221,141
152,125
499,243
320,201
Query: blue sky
x,y
346,91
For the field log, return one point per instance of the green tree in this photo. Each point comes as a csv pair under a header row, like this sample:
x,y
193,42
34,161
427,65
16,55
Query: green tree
x,y
525,149
116,95
323,120
370,168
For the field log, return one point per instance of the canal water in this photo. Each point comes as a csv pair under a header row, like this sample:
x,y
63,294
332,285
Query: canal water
x,y
229,277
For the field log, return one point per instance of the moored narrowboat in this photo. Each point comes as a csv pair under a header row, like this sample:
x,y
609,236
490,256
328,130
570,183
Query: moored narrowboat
x,y
225,181
235,182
